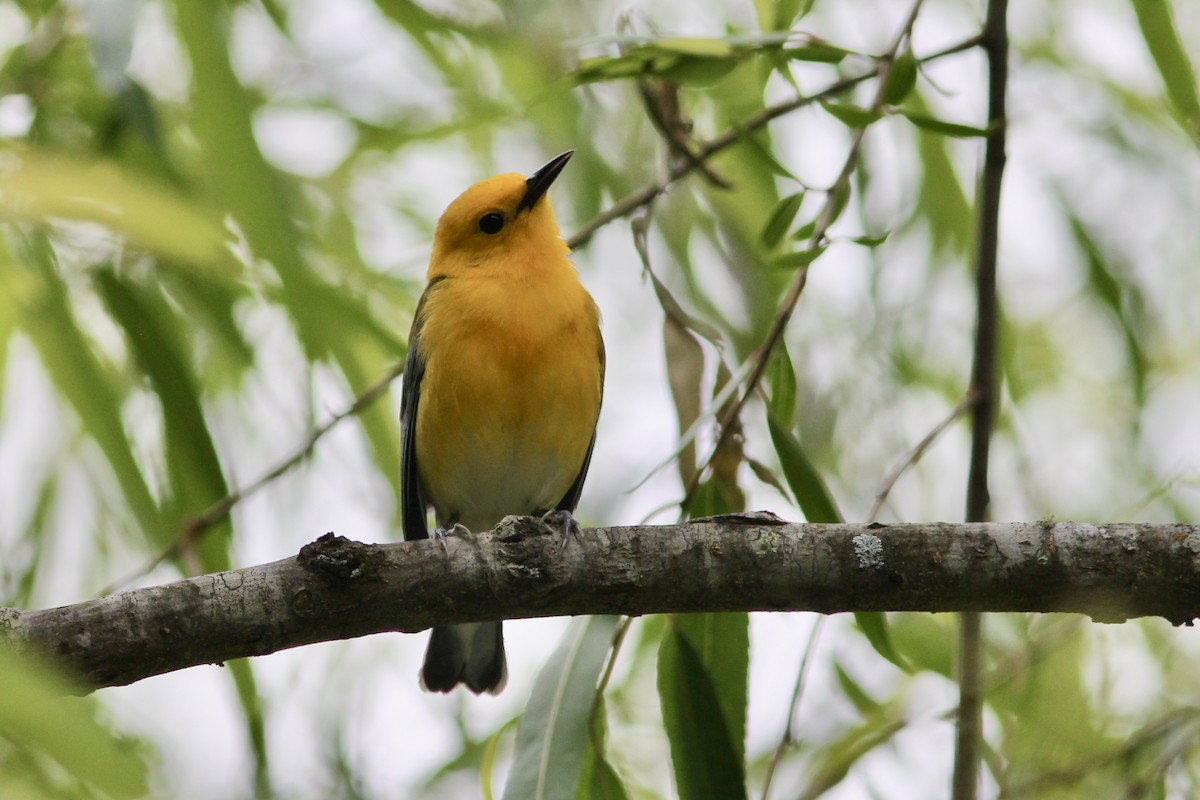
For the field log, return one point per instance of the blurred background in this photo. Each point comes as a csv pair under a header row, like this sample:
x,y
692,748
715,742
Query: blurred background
x,y
215,225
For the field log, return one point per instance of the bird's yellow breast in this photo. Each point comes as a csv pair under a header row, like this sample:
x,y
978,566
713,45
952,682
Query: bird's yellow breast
x,y
510,395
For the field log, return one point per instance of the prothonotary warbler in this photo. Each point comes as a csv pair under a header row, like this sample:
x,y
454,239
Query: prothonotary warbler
x,y
502,390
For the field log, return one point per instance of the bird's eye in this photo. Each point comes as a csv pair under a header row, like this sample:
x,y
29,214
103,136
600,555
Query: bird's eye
x,y
491,223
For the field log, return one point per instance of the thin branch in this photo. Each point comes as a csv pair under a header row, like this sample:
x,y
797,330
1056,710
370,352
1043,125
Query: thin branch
x,y
614,650
218,511
338,589
788,739
762,354
1165,729
969,723
917,453
984,368
984,371
663,108
648,192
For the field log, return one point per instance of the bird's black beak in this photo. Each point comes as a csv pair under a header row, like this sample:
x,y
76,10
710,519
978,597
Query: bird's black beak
x,y
537,183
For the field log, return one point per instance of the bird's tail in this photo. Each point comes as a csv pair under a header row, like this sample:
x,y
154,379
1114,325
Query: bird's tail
x,y
472,654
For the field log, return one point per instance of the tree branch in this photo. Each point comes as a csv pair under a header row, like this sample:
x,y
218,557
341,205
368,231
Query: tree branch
x,y
339,589
984,370
705,150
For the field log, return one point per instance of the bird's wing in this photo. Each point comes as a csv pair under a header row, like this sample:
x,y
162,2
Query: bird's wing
x,y
412,496
571,498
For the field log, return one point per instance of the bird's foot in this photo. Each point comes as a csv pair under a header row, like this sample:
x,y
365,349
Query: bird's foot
x,y
457,529
564,521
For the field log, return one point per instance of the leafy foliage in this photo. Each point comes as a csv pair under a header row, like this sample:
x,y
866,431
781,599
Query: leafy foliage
x,y
214,222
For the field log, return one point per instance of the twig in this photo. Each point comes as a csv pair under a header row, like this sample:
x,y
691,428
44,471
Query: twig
x,y
787,739
647,193
218,511
664,109
984,367
762,354
918,452
614,650
994,39
1165,728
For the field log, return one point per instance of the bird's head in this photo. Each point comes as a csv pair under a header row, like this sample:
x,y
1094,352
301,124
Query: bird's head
x,y
502,223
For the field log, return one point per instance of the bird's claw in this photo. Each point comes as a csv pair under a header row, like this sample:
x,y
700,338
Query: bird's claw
x,y
440,533
565,522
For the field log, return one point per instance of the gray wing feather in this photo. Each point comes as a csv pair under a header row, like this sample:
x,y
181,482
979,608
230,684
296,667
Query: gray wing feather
x,y
571,498
413,507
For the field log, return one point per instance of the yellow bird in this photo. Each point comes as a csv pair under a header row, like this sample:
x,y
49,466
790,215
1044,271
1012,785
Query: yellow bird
x,y
502,390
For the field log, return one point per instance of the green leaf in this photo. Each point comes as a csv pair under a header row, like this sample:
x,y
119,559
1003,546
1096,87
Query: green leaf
x,y
722,641
941,202
781,218
487,759
698,70
193,467
210,307
694,61
926,640
40,186
87,382
780,15
38,541
701,675
874,625
487,764
901,79
685,373
952,129
763,154
708,501
36,716
552,736
858,696
764,474
800,258
241,672
1122,297
220,113
832,763
781,380
696,46
608,68
1179,77
817,52
839,197
684,323
598,780
805,482
871,241
805,231
852,115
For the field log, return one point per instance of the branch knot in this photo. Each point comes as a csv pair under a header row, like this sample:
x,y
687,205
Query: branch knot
x,y
341,560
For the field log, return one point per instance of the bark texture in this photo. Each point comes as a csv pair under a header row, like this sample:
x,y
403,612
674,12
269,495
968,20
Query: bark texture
x,y
338,589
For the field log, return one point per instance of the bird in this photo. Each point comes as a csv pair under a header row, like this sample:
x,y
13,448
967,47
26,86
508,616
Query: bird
x,y
502,389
